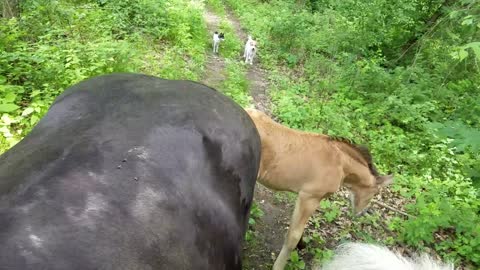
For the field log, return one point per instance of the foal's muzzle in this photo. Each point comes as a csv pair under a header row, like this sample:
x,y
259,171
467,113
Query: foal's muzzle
x,y
362,213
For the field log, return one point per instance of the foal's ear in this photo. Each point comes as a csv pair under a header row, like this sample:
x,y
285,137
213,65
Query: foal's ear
x,y
385,180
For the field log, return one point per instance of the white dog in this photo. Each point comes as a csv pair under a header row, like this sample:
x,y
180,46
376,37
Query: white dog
x,y
216,41
250,50
359,256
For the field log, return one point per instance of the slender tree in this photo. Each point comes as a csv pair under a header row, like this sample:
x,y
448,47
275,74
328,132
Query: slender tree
x,y
10,8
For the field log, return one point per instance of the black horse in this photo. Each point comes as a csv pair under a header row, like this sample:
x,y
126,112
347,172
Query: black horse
x,y
128,171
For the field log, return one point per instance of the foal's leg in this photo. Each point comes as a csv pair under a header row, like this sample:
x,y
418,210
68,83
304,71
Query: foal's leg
x,y
301,243
304,208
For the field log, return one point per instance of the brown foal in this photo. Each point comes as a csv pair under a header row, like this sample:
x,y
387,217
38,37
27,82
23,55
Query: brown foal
x,y
314,166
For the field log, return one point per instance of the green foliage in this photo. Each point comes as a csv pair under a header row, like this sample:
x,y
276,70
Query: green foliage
x,y
333,210
236,85
295,262
55,44
401,76
255,214
442,207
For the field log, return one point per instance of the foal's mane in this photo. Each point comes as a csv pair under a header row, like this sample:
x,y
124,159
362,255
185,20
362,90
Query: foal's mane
x,y
362,153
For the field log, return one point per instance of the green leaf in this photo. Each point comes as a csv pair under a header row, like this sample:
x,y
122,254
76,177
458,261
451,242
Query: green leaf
x,y
33,120
8,107
7,120
27,111
468,21
476,51
475,46
294,256
35,93
462,54
10,97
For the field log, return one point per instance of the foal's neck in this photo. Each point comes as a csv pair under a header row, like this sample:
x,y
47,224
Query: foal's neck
x,y
355,167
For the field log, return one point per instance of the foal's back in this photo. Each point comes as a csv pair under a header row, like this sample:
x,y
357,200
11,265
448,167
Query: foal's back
x,y
292,159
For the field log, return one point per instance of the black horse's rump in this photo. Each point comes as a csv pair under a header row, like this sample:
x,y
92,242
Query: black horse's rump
x,y
128,171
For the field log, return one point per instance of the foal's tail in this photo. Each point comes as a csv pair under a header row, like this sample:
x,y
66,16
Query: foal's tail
x,y
360,256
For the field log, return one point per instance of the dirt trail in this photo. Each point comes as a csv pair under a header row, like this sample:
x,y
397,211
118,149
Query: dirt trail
x,y
270,229
215,66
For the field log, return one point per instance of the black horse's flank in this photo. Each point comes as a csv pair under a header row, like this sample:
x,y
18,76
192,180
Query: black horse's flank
x,y
128,171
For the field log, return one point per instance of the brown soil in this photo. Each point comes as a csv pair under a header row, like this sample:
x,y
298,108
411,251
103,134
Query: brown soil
x,y
215,66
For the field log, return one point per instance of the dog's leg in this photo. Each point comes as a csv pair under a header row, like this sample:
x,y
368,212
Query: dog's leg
x,y
304,208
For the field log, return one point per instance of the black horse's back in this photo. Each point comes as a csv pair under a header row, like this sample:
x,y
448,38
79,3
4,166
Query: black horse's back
x,y
128,171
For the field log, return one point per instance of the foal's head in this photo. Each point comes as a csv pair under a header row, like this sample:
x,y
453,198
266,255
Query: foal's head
x,y
361,194
363,179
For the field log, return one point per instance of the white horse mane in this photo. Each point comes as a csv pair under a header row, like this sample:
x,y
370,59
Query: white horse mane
x,y
359,256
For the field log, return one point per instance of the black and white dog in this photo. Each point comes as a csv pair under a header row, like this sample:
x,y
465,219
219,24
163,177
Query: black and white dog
x,y
216,40
250,50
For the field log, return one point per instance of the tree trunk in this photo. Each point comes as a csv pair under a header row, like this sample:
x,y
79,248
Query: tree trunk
x,y
10,8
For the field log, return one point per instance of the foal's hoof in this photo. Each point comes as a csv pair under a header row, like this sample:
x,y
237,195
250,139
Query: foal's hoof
x,y
301,244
